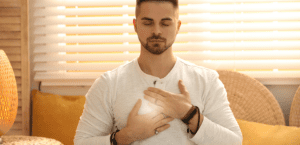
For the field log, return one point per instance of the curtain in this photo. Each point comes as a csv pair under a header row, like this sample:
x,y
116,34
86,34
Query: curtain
x,y
78,40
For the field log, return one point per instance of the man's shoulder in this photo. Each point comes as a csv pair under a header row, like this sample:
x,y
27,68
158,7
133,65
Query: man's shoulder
x,y
196,68
121,70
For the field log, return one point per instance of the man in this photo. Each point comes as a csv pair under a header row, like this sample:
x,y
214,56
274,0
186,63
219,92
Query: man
x,y
145,102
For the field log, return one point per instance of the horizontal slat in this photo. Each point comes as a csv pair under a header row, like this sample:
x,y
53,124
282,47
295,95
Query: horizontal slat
x,y
20,105
17,73
10,12
11,50
14,132
268,74
68,83
10,35
74,66
19,80
10,43
250,64
19,87
10,20
66,76
72,84
268,45
238,55
16,65
10,3
50,76
282,81
283,16
255,36
67,91
10,27
14,57
43,3
202,8
18,117
19,109
268,26
253,64
17,126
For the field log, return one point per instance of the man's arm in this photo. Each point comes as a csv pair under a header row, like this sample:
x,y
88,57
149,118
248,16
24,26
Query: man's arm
x,y
96,122
194,122
218,124
124,136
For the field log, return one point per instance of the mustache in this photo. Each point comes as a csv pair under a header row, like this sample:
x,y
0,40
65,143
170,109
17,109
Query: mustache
x,y
156,39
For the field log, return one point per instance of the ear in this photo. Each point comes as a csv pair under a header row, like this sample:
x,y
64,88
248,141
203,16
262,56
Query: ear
x,y
134,24
179,24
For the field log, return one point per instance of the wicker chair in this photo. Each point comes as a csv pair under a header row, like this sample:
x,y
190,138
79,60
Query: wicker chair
x,y
294,119
250,100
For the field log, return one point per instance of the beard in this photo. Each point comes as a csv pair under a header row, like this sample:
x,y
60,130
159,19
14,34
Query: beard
x,y
156,48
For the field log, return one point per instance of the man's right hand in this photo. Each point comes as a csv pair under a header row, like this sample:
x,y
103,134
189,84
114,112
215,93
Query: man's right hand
x,y
143,126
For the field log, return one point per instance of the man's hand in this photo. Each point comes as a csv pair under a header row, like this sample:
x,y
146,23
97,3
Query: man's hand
x,y
143,126
173,105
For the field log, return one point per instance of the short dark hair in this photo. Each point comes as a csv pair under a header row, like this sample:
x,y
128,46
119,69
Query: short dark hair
x,y
139,2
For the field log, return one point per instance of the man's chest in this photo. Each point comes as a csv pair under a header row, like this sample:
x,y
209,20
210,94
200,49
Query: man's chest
x,y
126,98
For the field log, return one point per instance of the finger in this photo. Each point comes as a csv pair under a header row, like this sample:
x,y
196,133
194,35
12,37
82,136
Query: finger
x,y
157,108
151,115
154,95
162,128
163,122
182,88
136,107
159,91
158,118
153,99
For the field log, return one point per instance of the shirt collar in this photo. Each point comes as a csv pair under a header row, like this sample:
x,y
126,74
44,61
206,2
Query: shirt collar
x,y
150,79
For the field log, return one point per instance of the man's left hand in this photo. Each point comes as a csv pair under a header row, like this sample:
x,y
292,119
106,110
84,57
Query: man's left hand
x,y
172,105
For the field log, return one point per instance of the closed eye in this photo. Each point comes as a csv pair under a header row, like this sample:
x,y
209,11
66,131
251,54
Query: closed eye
x,y
162,24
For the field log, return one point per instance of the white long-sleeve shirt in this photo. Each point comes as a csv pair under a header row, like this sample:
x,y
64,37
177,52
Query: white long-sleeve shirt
x,y
113,95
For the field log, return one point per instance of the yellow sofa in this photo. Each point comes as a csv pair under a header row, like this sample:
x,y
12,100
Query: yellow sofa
x,y
57,117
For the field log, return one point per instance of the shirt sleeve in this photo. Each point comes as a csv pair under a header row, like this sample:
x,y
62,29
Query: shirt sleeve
x,y
219,125
96,121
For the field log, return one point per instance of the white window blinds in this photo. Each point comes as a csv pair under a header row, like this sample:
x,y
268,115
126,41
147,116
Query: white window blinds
x,y
78,40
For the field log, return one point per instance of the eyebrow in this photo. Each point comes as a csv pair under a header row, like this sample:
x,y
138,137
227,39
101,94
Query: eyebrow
x,y
146,18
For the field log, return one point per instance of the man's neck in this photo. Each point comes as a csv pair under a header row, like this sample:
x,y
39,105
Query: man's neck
x,y
157,65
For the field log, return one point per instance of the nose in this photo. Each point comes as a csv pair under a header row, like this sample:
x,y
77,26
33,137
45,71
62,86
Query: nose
x,y
157,30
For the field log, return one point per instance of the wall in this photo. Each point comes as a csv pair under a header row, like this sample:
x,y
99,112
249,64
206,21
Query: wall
x,y
283,93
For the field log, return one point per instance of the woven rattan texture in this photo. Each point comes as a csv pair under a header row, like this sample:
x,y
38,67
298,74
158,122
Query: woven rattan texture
x,y
250,100
28,140
8,94
294,119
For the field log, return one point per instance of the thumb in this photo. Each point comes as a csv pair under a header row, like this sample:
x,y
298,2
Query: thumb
x,y
136,107
182,87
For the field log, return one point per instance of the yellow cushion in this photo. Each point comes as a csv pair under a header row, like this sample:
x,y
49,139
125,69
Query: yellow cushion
x,y
263,134
56,116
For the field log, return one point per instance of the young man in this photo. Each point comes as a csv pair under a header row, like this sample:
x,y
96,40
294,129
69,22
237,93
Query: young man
x,y
144,102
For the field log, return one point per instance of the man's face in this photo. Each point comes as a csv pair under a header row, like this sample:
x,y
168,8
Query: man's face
x,y
156,26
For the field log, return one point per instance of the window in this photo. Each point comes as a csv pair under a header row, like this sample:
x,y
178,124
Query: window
x,y
78,40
